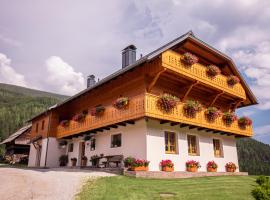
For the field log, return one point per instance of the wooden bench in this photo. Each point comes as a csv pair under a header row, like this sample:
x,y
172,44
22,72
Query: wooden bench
x,y
117,159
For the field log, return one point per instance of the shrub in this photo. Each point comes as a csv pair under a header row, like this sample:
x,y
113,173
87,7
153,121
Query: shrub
x,y
189,58
167,102
121,102
128,161
84,158
212,71
212,113
229,118
193,163
232,80
262,180
166,163
212,164
244,121
191,108
262,191
74,159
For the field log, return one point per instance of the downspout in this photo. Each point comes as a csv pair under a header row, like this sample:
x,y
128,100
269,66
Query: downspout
x,y
49,127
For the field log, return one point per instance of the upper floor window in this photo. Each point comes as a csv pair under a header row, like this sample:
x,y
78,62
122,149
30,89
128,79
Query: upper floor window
x,y
116,140
92,144
36,127
192,145
170,142
42,125
217,148
70,147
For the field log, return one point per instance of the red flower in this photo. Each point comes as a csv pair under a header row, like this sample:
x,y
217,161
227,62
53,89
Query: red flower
x,y
166,163
212,164
189,58
192,163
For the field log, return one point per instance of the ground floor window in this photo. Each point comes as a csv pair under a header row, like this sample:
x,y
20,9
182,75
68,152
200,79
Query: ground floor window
x,y
192,145
92,144
170,142
116,140
217,148
70,147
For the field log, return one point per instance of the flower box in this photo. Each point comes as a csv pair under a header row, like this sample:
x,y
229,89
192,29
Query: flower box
x,y
192,169
97,111
212,113
244,121
139,168
229,118
167,102
192,166
84,161
189,59
79,117
167,169
191,108
232,80
121,103
229,169
212,166
73,161
212,71
210,169
64,123
167,165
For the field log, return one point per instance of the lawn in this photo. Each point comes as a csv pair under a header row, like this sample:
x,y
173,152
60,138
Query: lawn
x,y
206,188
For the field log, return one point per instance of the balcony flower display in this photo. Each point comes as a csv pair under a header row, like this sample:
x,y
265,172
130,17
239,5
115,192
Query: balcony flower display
x,y
64,123
232,80
191,108
121,103
167,165
212,166
192,166
230,167
229,118
167,102
97,111
244,121
79,117
212,71
128,161
190,59
139,165
212,113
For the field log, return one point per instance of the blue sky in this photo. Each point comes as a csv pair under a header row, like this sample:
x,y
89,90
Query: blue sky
x,y
53,45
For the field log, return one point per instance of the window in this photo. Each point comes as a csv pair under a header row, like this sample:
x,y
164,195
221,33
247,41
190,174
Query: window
x,y
217,148
92,144
116,140
192,145
70,147
43,124
170,142
36,127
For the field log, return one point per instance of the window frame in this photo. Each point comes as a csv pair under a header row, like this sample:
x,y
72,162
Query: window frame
x,y
70,147
42,124
220,148
92,140
197,147
169,151
36,127
112,140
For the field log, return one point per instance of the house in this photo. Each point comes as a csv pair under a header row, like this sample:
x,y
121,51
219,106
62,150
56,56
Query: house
x,y
17,144
127,113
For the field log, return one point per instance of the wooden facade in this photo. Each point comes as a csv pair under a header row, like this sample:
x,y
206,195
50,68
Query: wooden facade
x,y
166,73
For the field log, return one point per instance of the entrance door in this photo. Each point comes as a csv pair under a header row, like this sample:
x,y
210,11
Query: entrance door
x,y
82,151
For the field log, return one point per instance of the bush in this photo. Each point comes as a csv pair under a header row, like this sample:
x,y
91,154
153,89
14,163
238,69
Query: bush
x,y
262,191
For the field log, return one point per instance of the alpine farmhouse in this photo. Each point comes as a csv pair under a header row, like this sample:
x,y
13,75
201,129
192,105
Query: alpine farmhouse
x,y
177,102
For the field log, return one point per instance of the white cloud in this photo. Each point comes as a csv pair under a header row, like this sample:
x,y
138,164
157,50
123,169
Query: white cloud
x,y
8,74
62,77
262,131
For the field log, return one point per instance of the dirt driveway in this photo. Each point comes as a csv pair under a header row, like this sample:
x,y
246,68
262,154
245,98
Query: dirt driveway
x,y
43,184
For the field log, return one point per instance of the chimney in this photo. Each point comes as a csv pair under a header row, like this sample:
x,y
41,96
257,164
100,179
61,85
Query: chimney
x,y
91,81
128,55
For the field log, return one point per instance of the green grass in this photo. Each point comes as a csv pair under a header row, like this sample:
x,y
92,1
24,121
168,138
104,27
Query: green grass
x,y
206,188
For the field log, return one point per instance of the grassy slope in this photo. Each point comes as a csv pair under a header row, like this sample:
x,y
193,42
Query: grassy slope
x,y
207,188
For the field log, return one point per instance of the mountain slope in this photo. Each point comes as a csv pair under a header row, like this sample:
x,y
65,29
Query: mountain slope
x,y
253,156
19,104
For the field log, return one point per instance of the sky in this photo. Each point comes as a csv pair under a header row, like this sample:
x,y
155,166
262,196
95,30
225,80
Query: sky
x,y
54,45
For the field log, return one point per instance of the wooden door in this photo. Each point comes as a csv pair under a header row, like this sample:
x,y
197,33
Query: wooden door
x,y
82,153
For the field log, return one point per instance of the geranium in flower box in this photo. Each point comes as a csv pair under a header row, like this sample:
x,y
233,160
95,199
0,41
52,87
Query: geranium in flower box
x,y
212,113
230,167
167,102
232,80
79,117
191,108
64,123
190,59
229,118
128,161
139,165
244,121
167,165
97,111
121,103
213,71
192,166
212,166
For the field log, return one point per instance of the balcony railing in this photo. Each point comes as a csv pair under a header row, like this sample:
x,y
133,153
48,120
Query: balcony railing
x,y
172,61
146,106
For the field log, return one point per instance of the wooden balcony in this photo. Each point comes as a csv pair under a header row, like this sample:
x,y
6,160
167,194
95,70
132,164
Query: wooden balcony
x,y
172,61
146,106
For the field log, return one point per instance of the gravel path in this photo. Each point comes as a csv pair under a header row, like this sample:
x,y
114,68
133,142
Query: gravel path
x,y
43,184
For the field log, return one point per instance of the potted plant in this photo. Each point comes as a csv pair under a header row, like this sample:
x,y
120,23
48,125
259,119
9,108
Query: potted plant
x,y
244,121
167,102
128,161
80,117
191,108
212,113
212,166
73,161
84,161
229,118
62,144
63,160
64,123
230,167
213,71
190,59
121,103
167,165
192,166
139,165
232,80
94,160
97,111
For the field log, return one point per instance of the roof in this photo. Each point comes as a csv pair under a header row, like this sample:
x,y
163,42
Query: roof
x,y
151,56
17,134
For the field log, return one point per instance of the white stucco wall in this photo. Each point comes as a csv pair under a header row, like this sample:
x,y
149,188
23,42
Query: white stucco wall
x,y
32,156
156,147
54,152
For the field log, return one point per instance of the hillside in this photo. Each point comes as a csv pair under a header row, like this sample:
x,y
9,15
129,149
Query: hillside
x,y
254,156
18,104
